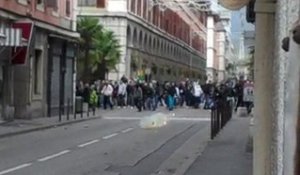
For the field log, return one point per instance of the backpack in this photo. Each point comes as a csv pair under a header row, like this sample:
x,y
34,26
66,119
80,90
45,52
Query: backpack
x,y
138,93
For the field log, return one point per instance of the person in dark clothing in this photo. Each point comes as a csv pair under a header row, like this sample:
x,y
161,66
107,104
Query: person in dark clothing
x,y
239,88
171,96
138,97
157,95
182,91
86,94
130,91
188,94
149,97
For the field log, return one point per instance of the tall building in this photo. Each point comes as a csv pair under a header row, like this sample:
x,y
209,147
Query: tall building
x,y
218,40
165,42
239,26
37,51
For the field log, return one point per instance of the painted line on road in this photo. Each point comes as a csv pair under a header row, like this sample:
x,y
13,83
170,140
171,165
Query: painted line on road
x,y
53,156
109,136
170,119
127,130
88,143
189,119
122,118
15,168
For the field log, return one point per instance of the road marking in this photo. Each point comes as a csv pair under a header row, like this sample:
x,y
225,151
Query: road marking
x,y
127,130
169,118
53,156
88,143
122,118
15,168
189,119
109,136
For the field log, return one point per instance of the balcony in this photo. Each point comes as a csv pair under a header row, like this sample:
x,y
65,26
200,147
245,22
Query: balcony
x,y
91,3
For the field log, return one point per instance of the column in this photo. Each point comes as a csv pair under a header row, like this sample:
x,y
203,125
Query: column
x,y
263,111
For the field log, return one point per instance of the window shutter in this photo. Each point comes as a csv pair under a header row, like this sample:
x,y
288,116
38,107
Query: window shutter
x,y
51,3
68,7
100,3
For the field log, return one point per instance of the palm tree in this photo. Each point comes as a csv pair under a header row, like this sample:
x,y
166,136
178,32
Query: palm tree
x,y
99,50
107,49
88,28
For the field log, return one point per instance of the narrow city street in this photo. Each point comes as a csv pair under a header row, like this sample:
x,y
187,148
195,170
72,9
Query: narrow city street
x,y
115,144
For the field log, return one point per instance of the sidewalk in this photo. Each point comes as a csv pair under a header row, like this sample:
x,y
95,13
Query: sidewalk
x,y
18,126
227,154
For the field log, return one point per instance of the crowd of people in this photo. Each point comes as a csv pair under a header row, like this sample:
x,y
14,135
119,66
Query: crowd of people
x,y
150,95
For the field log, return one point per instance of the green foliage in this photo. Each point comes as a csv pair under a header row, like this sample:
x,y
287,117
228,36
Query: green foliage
x,y
99,50
250,63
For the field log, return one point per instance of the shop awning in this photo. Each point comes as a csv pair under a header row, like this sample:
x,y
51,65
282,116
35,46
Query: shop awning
x,y
11,37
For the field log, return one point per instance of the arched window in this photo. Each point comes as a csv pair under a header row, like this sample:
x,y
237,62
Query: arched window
x,y
129,37
135,38
140,40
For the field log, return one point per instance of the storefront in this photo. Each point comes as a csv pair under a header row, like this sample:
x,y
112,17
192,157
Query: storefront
x,y
61,70
10,38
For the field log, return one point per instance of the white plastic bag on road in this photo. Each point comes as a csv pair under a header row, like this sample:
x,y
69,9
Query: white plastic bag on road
x,y
154,121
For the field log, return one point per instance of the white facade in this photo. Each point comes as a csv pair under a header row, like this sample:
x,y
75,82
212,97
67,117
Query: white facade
x,y
211,50
146,45
218,46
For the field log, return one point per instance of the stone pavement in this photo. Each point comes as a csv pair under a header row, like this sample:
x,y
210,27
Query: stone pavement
x,y
227,154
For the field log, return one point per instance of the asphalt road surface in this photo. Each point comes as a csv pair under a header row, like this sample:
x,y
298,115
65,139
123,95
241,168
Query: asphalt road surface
x,y
109,146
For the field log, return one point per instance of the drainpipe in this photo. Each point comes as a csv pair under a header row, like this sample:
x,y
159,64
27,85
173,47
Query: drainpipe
x,y
264,91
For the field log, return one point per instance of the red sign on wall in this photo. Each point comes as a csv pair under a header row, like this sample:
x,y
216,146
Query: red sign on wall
x,y
19,54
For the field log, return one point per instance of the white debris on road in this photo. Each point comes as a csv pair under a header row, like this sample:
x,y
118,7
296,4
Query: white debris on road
x,y
154,121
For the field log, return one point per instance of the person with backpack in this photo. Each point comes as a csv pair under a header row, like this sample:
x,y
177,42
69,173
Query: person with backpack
x,y
93,100
138,97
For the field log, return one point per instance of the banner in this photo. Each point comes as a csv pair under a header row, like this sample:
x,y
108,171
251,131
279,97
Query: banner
x,y
248,92
20,54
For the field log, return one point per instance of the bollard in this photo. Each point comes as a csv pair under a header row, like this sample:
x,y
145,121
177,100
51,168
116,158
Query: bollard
x,y
81,112
75,114
212,127
94,110
88,110
59,113
68,109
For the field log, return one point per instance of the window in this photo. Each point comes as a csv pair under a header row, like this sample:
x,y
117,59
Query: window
x,y
87,3
68,8
92,3
40,2
101,3
37,74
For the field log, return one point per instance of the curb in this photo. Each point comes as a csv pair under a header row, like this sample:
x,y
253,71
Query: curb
x,y
25,131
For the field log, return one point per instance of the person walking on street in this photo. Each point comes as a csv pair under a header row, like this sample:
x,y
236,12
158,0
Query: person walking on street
x,y
171,96
130,94
93,100
121,94
107,92
138,97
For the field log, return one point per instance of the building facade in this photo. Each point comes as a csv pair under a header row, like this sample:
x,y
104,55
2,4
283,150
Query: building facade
x,y
276,112
218,46
168,44
37,72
